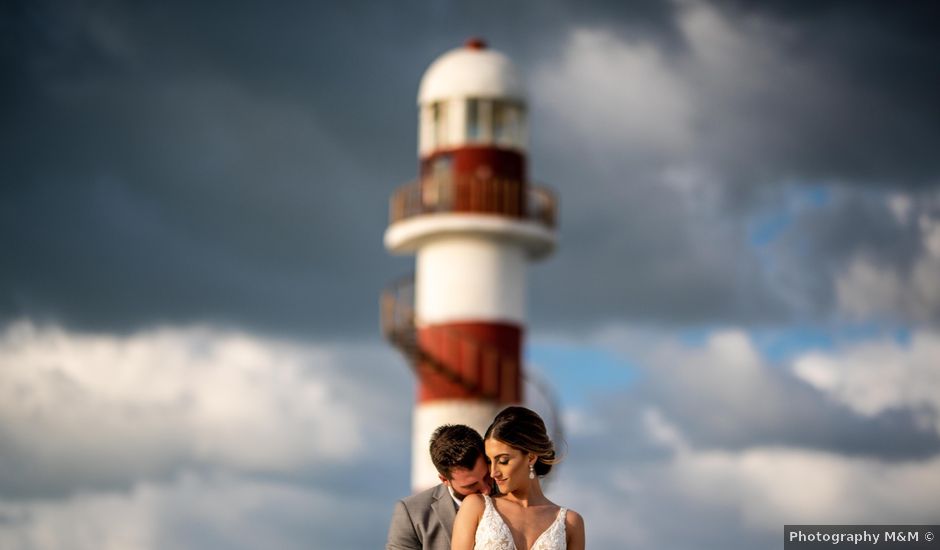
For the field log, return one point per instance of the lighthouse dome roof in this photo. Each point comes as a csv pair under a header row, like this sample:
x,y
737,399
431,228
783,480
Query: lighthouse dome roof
x,y
471,71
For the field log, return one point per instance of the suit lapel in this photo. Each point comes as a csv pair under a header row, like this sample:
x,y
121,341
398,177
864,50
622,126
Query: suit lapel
x,y
445,509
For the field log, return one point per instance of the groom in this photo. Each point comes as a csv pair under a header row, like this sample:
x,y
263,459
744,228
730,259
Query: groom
x,y
426,520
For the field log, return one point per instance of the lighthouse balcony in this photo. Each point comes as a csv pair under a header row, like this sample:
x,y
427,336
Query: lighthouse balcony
x,y
506,208
474,195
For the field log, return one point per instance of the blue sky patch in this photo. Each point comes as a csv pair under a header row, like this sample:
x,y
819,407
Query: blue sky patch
x,y
577,372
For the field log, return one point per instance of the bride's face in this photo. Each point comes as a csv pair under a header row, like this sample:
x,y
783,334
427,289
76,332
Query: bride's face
x,y
509,467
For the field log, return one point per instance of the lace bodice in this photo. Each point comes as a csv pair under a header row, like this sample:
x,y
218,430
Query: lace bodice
x,y
493,533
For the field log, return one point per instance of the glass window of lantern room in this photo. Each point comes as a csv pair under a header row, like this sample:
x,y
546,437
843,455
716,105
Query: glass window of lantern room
x,y
474,129
439,124
507,124
518,125
479,120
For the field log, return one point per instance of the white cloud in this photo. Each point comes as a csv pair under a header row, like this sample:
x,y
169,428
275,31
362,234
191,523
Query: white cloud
x,y
721,496
735,57
901,206
663,432
876,376
864,288
665,147
925,278
722,392
193,511
690,109
196,437
665,474
625,93
89,409
697,498
777,485
75,405
723,385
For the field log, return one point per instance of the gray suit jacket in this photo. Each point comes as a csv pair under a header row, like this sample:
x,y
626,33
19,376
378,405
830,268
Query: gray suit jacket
x,y
423,521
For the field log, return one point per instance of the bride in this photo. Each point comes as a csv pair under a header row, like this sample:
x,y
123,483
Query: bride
x,y
520,452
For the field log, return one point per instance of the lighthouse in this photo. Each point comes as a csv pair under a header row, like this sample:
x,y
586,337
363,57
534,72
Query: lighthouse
x,y
474,222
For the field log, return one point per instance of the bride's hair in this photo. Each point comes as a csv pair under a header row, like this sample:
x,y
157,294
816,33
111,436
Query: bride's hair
x,y
524,430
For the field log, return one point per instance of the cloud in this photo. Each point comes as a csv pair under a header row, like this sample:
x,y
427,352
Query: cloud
x,y
645,230
694,497
197,437
207,437
880,375
714,447
723,394
644,179
229,202
230,184
197,511
671,155
89,410
245,173
722,499
719,163
870,286
741,97
616,96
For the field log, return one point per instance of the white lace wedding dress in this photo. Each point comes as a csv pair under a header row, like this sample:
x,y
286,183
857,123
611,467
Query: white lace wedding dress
x,y
494,534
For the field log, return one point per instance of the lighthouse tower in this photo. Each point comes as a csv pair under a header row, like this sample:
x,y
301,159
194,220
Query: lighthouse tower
x,y
474,222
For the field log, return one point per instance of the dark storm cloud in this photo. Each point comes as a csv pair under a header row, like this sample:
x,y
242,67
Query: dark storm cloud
x,y
179,162
852,224
880,124
754,104
175,162
172,165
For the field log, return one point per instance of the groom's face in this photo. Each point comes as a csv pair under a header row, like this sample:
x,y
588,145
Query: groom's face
x,y
466,482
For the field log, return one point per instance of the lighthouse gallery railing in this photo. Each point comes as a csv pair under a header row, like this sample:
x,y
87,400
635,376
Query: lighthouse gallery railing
x,y
471,194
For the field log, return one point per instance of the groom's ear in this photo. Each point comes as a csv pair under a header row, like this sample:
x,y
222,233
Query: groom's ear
x,y
443,479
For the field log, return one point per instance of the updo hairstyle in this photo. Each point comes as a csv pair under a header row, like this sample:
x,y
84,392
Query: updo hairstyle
x,y
524,430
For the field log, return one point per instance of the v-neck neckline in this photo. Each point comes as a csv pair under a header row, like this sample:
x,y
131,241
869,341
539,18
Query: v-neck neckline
x,y
509,531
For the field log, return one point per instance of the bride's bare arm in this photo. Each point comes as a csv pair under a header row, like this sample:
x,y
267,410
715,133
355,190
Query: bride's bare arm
x,y
574,527
465,526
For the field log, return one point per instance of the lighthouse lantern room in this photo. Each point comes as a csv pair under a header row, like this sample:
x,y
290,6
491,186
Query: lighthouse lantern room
x,y
474,223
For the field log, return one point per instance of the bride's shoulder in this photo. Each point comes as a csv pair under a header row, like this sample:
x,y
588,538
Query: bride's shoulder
x,y
467,521
574,527
473,503
573,520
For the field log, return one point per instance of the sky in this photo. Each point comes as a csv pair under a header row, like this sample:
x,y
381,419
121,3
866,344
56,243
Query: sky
x,y
740,325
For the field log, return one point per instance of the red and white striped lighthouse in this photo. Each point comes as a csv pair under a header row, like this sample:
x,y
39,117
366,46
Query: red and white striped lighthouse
x,y
474,222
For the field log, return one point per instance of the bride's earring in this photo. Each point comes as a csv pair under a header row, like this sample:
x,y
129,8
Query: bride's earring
x,y
531,471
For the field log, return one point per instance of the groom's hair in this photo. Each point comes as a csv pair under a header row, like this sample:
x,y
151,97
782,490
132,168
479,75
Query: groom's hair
x,y
455,446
